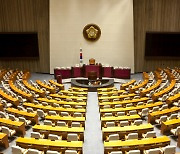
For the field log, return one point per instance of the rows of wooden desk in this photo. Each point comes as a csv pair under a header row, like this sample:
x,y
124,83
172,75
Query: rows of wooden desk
x,y
57,109
124,102
141,85
122,131
46,144
64,97
67,119
75,93
43,144
20,92
51,101
110,98
172,99
127,84
110,93
41,84
169,124
126,145
38,91
60,86
154,115
57,145
16,125
30,116
78,89
107,89
169,74
127,109
155,96
60,131
26,75
129,118
9,98
153,87
142,144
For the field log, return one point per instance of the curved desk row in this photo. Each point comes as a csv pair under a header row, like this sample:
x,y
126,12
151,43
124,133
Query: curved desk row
x,y
142,144
46,144
60,131
51,101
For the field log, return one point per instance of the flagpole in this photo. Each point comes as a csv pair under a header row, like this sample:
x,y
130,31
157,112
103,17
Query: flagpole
x,y
81,57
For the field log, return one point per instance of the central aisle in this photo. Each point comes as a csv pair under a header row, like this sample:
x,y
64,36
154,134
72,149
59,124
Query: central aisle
x,y
93,135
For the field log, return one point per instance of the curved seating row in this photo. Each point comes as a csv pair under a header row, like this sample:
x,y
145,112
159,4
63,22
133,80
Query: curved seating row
x,y
117,124
17,81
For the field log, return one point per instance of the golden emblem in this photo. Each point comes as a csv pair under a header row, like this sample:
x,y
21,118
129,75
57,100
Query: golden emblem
x,y
91,32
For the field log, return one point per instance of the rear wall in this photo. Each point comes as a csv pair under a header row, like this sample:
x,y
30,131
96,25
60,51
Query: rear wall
x,y
69,17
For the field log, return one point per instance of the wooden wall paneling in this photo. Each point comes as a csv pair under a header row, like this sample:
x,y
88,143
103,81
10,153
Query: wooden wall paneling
x,y
139,17
154,15
27,16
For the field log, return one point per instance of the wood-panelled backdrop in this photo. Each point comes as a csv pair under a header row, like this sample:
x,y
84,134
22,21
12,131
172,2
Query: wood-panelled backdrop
x,y
33,16
27,16
154,15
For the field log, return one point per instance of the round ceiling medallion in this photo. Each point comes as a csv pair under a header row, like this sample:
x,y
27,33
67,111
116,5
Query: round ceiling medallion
x,y
91,32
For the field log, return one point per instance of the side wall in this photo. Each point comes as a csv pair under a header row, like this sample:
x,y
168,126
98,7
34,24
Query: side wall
x,y
67,20
154,15
27,16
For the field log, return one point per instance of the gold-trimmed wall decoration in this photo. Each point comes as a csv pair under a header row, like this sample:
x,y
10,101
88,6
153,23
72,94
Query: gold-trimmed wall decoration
x,y
91,32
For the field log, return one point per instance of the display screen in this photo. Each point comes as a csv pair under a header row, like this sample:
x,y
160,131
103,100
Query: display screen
x,y
19,45
162,45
